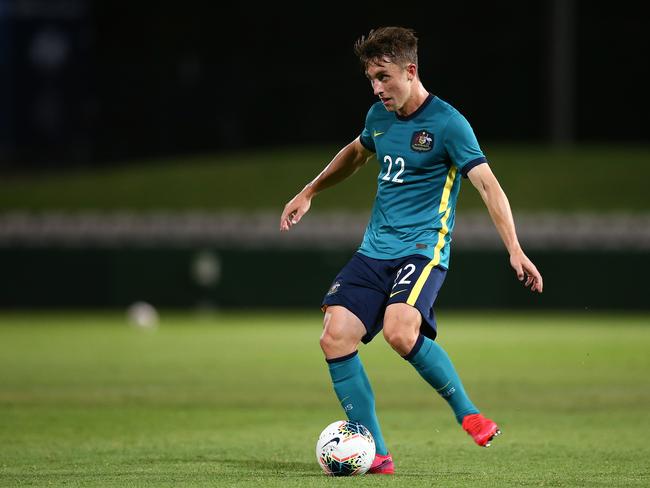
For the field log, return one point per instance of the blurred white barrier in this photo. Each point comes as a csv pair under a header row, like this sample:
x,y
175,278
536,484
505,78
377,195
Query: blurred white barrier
x,y
324,231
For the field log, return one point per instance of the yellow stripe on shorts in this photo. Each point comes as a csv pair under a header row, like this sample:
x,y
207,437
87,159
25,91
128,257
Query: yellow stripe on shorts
x,y
444,230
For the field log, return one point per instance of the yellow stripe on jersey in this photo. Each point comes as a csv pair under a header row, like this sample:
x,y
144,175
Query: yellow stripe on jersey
x,y
444,200
444,230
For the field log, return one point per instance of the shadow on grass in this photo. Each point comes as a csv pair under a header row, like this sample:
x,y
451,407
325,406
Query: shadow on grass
x,y
267,467
284,468
299,469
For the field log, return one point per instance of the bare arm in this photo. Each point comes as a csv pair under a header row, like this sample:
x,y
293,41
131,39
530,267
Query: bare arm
x,y
498,206
345,163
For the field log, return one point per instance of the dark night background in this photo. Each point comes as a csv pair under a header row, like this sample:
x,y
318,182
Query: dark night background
x,y
99,82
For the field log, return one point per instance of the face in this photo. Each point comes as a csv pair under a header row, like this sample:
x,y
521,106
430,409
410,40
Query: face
x,y
392,83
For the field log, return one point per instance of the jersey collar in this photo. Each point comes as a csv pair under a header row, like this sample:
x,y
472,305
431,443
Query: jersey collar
x,y
426,102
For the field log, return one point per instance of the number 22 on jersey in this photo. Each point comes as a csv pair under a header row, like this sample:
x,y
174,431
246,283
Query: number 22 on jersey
x,y
400,164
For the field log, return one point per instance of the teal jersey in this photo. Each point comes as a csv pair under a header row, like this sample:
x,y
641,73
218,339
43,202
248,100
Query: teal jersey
x,y
421,159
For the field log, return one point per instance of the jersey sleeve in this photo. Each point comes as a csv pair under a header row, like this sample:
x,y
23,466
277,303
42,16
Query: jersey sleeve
x,y
366,136
461,144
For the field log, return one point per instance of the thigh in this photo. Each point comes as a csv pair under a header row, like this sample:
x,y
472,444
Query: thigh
x,y
359,288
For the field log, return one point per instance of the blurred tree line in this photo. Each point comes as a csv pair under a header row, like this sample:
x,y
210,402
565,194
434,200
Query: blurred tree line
x,y
91,82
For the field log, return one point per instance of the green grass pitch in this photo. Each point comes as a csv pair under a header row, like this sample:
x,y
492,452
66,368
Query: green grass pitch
x,y
238,399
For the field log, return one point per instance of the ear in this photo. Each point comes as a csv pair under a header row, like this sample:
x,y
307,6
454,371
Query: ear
x,y
411,71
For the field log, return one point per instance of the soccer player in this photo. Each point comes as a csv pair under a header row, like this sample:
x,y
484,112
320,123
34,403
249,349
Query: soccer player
x,y
423,146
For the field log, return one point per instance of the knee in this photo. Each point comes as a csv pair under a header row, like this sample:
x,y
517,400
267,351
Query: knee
x,y
332,337
402,341
340,336
401,331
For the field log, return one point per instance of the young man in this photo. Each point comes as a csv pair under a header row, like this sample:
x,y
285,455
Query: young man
x,y
423,146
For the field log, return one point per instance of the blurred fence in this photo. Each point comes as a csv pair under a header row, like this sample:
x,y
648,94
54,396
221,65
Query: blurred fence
x,y
228,260
473,231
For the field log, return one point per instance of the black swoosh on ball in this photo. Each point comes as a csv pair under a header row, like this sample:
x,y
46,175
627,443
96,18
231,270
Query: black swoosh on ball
x,y
337,439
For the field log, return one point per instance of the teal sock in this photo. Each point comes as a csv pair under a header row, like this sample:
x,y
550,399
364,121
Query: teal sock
x,y
433,364
355,394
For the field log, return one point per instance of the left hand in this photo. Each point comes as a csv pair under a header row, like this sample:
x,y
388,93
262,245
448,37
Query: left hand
x,y
525,269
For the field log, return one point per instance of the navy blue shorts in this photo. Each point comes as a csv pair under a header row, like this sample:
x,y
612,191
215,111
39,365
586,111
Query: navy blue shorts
x,y
366,286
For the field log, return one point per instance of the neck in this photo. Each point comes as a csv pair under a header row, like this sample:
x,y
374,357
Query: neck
x,y
417,98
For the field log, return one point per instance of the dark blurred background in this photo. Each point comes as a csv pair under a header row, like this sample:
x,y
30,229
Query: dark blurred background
x,y
91,82
106,106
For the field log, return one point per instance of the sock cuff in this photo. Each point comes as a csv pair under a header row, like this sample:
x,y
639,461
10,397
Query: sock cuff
x,y
342,358
416,348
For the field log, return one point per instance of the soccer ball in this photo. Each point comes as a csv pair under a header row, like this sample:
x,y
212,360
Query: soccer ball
x,y
345,448
142,314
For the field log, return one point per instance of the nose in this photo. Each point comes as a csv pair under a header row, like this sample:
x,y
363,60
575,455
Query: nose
x,y
377,87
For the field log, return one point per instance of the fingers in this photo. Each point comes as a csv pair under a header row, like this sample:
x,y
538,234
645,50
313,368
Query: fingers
x,y
284,225
533,281
286,218
539,283
290,218
529,279
287,221
534,278
293,212
527,273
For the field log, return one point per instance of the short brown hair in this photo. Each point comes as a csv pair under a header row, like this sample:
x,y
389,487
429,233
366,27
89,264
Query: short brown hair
x,y
395,44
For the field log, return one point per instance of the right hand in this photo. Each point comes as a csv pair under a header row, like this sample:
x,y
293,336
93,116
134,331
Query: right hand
x,y
294,210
